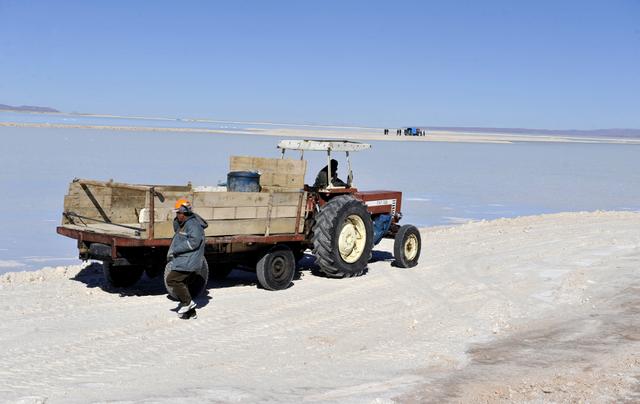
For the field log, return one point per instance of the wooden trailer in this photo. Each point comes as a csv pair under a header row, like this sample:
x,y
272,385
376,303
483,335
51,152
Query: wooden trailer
x,y
129,227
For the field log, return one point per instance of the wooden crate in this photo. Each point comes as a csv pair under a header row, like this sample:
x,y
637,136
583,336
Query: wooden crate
x,y
281,173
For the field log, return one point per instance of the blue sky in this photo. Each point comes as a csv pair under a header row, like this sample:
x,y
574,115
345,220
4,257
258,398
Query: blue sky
x,y
535,64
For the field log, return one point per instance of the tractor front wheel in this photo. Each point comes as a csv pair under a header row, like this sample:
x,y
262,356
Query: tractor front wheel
x,y
407,246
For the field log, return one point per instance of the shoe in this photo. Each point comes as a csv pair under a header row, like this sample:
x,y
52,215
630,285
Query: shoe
x,y
184,308
191,314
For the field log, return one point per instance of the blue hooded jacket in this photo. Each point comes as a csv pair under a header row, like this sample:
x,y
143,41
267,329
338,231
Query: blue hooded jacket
x,y
187,247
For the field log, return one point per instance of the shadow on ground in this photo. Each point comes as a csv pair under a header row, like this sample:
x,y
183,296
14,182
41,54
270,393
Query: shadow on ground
x,y
377,256
92,276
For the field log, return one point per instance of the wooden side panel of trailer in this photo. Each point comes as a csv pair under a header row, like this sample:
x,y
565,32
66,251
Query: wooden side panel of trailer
x,y
236,227
245,213
119,203
104,206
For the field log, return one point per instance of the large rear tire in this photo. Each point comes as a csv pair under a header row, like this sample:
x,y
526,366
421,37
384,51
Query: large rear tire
x,y
121,276
407,246
197,282
276,268
343,237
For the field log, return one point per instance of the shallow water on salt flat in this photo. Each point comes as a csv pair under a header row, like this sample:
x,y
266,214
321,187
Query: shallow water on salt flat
x,y
443,183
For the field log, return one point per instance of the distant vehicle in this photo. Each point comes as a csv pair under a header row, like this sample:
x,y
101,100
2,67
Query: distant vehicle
x,y
264,225
414,132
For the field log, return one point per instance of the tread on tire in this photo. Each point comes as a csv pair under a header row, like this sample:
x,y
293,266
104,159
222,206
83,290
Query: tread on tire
x,y
329,223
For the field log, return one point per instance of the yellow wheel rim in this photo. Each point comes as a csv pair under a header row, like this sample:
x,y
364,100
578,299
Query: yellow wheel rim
x,y
353,238
411,247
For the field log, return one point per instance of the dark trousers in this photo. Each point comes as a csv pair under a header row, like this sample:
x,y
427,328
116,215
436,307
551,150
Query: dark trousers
x,y
178,283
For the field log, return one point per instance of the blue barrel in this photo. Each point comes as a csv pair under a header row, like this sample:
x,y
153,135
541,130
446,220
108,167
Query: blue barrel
x,y
243,181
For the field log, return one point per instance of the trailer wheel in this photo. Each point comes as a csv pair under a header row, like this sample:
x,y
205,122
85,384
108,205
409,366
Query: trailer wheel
x,y
407,246
197,282
220,271
343,237
276,268
121,276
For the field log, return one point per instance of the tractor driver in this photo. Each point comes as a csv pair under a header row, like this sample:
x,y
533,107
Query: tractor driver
x,y
321,179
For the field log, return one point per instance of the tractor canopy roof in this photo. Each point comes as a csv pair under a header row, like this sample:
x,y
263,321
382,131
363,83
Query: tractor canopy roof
x,y
323,145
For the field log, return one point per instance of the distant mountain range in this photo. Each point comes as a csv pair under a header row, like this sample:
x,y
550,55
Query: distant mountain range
x,y
26,108
610,132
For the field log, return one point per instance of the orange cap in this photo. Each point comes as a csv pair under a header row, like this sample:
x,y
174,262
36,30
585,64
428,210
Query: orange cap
x,y
183,202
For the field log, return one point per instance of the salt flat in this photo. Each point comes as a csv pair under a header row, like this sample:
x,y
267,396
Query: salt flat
x,y
540,308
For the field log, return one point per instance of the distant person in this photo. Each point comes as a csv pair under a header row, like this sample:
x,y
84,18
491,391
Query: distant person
x,y
322,181
185,256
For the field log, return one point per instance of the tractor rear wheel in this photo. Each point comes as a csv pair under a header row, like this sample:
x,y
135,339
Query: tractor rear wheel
x,y
197,281
343,237
121,275
407,246
276,268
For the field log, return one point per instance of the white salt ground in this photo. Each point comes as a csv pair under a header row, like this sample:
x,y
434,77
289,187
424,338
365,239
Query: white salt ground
x,y
532,309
